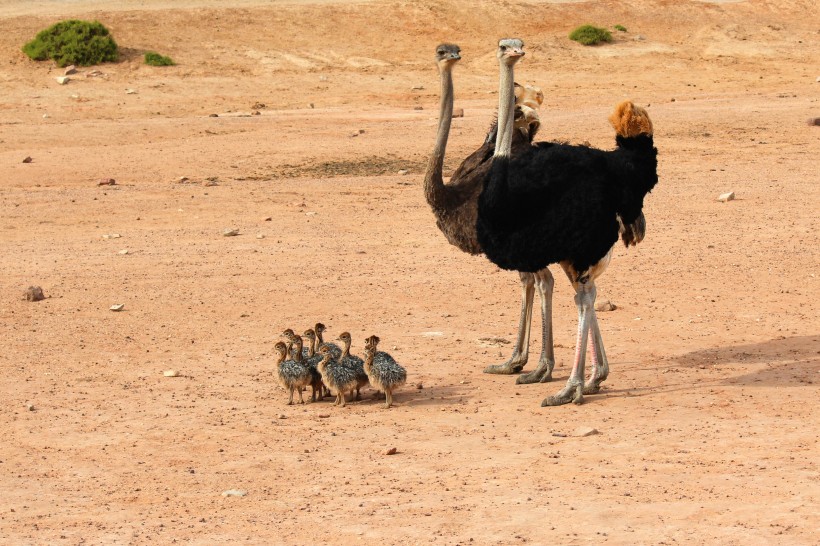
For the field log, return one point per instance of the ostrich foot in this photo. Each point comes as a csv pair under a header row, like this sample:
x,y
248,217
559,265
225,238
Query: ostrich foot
x,y
593,386
510,367
542,374
571,393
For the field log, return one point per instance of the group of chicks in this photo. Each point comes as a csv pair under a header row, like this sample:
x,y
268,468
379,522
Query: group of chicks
x,y
328,368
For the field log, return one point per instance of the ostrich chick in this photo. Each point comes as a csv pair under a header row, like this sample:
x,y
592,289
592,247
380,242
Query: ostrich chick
x,y
335,350
293,375
353,362
384,372
312,360
337,377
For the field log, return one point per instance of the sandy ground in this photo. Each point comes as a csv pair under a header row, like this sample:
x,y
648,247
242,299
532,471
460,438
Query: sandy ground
x,y
708,427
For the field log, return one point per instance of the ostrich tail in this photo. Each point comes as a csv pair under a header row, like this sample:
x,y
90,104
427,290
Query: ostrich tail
x,y
633,233
630,120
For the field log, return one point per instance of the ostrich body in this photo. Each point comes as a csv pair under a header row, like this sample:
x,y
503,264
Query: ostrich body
x,y
336,376
312,359
383,371
455,206
566,204
293,376
353,362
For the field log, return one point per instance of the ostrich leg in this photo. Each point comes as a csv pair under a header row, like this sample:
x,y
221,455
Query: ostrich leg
x,y
544,282
574,391
600,365
522,346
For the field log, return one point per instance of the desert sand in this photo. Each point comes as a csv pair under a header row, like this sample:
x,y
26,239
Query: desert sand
x,y
708,423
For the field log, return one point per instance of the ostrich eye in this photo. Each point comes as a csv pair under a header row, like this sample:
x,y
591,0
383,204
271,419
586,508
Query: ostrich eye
x,y
503,48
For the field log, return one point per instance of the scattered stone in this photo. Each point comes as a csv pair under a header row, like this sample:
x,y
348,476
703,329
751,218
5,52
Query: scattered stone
x,y
258,106
267,219
582,432
558,434
256,113
418,108
417,88
357,133
419,386
605,305
311,213
234,493
123,252
639,38
724,197
391,451
182,179
282,416
213,181
62,80
310,105
71,69
260,235
170,373
28,159
106,182
130,91
117,307
93,74
403,172
323,415
34,293
230,232
458,112
213,115
45,116
111,236
30,407
814,121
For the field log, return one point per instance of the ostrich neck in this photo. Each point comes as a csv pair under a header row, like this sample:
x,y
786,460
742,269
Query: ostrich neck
x,y
297,354
506,108
312,347
345,350
434,187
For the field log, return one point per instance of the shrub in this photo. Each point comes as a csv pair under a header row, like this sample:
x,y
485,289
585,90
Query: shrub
x,y
590,35
73,42
155,59
620,28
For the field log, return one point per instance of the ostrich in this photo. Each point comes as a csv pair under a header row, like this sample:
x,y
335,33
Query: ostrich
x,y
382,369
565,204
455,206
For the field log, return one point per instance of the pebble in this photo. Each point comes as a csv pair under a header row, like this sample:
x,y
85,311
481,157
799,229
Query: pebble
x,y
419,386
71,69
605,305
582,432
323,415
458,112
282,416
117,307
124,251
267,219
62,80
417,88
390,451
213,115
418,108
27,159
403,172
170,373
211,182
111,236
34,293
230,232
234,493
311,105
106,182
814,121
639,38
260,235
724,197
130,91
30,407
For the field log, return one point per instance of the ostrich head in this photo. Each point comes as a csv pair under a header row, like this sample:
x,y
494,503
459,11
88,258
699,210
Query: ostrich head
x,y
345,337
324,350
319,328
288,334
630,120
310,334
372,341
510,50
447,55
281,349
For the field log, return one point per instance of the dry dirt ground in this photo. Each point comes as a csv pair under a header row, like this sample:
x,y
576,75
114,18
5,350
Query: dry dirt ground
x,y
708,424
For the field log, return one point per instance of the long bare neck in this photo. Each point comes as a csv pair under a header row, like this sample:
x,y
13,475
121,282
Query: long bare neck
x,y
345,348
297,354
506,110
368,360
319,339
433,181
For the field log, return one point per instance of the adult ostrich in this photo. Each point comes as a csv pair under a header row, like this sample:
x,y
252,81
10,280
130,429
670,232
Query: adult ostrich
x,y
455,206
558,203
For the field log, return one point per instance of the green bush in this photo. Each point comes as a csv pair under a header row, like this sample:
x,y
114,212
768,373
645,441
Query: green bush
x,y
590,35
620,28
155,59
82,43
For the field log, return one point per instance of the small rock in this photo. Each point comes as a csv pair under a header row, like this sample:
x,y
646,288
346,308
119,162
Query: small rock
x,y
419,386
403,172
267,219
182,179
605,305
230,232
62,80
210,182
282,416
639,38
258,106
30,407
256,113
323,415
458,112
724,197
234,493
111,236
260,235
71,69
582,432
130,91
310,105
390,451
106,182
93,74
28,159
34,293
418,108
417,88
45,116
311,213
213,115
170,373
117,307
814,121
123,252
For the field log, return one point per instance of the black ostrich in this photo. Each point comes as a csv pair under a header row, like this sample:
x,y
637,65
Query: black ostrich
x,y
565,204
